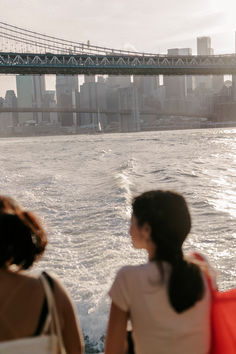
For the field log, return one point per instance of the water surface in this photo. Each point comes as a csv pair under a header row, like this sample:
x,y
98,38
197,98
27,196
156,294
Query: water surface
x,y
82,186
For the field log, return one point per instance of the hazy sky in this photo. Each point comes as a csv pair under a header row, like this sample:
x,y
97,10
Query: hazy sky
x,y
143,25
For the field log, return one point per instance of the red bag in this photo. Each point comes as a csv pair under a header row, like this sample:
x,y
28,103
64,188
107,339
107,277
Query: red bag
x,y
223,319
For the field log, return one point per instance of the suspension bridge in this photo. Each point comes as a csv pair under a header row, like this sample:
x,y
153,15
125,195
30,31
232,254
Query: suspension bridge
x,y
27,52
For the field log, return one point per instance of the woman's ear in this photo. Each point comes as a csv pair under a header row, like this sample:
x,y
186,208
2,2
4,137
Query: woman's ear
x,y
146,232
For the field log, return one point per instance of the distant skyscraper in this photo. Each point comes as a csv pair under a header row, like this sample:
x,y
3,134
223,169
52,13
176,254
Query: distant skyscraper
x,y
93,96
49,101
118,81
204,46
24,87
66,92
128,100
217,83
234,78
89,78
147,92
179,51
30,91
177,87
8,119
146,85
11,102
39,91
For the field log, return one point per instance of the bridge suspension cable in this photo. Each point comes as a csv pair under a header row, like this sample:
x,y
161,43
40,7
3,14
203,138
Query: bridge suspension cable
x,y
23,40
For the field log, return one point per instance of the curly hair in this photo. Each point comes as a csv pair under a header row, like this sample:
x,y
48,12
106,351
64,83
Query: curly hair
x,y
22,237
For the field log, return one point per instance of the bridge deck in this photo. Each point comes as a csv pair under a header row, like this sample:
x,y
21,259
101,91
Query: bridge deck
x,y
49,63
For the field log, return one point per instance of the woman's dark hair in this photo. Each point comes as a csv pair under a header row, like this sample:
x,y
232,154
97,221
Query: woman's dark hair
x,y
22,238
168,216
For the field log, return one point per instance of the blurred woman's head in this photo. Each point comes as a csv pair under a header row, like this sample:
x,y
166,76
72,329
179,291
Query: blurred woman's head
x,y
22,238
164,217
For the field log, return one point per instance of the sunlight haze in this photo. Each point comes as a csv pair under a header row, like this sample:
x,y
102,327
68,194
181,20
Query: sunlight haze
x,y
151,26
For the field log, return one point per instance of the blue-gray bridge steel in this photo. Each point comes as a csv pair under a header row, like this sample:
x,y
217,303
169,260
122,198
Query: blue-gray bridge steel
x,y
28,63
27,52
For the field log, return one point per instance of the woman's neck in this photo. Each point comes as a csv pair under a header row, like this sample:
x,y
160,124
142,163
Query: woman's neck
x,y
151,250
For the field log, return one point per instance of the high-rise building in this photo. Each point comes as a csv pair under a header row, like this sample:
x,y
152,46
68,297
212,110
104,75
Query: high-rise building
x,y
8,120
128,100
114,84
234,78
49,101
177,87
93,96
147,93
204,46
118,81
89,78
179,51
11,102
24,87
39,91
146,85
217,83
30,91
67,92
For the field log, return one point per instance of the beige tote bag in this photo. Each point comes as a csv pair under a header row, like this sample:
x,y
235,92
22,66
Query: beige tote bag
x,y
43,344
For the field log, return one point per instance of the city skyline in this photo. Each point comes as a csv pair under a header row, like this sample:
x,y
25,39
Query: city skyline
x,y
150,26
99,104
8,82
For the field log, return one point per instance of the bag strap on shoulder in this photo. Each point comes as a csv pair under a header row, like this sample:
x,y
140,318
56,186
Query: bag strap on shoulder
x,y
56,328
199,257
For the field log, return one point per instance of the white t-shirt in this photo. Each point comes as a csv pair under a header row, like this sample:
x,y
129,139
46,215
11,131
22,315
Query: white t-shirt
x,y
157,328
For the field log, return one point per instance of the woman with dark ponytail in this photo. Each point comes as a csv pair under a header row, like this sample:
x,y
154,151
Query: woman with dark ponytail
x,y
36,313
166,299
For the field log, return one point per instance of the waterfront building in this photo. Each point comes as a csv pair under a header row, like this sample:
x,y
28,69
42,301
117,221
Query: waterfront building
x,y
147,92
11,102
217,83
161,94
30,91
8,120
177,88
67,93
146,85
2,125
24,87
38,90
89,79
117,82
204,48
234,76
93,97
49,101
114,85
128,101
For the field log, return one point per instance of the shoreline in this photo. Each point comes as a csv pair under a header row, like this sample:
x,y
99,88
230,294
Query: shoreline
x,y
213,125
